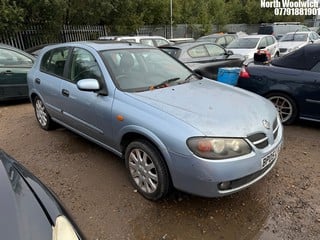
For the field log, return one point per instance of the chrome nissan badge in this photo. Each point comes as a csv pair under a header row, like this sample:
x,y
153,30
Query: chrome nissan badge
x,y
266,124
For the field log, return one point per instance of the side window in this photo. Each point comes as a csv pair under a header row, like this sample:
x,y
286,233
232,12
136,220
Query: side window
x,y
215,50
263,43
83,65
229,39
221,41
199,51
161,42
53,62
147,42
270,41
12,58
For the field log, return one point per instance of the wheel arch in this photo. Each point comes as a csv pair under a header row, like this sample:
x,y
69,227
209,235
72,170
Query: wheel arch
x,y
33,96
273,92
131,136
283,92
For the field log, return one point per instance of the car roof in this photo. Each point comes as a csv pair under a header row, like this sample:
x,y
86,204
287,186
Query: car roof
x,y
100,45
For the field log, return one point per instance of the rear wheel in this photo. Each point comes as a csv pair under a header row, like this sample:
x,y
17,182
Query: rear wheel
x,y
286,106
147,170
42,115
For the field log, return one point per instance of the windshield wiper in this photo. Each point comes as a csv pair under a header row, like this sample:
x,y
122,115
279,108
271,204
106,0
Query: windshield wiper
x,y
164,83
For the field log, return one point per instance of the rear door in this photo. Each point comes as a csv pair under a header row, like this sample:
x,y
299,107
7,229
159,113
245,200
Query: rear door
x,y
48,79
13,74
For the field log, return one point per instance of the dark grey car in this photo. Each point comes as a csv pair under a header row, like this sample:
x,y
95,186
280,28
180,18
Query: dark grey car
x,y
205,58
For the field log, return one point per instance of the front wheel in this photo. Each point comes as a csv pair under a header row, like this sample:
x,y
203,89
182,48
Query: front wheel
x,y
286,106
147,170
42,115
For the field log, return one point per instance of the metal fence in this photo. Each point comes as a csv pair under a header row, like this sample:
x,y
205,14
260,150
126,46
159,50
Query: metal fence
x,y
36,35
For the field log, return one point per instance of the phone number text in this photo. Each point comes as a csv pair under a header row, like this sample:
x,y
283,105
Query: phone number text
x,y
296,11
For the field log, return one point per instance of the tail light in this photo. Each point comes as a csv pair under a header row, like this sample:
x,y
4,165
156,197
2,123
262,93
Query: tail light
x,y
244,73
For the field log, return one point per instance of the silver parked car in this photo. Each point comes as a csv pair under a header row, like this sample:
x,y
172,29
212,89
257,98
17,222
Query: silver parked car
x,y
172,127
295,40
250,44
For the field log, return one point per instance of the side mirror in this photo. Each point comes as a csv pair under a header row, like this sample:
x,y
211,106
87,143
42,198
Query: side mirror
x,y
88,84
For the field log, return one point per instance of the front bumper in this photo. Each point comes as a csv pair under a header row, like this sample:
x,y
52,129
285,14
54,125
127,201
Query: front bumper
x,y
203,177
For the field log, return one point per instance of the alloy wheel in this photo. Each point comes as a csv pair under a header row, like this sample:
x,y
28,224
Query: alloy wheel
x,y
143,170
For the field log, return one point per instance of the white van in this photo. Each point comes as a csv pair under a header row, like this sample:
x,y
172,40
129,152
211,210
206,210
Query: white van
x,y
278,29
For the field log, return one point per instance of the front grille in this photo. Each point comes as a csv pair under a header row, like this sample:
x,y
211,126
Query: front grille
x,y
283,49
260,140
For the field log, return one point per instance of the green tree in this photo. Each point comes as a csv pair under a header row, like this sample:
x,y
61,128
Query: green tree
x,y
11,16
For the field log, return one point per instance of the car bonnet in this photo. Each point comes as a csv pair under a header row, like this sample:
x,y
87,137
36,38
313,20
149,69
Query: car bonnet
x,y
215,109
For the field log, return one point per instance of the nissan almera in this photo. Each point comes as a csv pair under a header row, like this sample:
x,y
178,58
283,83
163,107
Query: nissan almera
x,y
172,127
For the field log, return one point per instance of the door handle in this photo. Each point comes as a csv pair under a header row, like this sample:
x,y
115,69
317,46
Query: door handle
x,y
37,80
65,92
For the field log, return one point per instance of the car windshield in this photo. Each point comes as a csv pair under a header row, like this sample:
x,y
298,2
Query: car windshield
x,y
144,69
296,37
244,43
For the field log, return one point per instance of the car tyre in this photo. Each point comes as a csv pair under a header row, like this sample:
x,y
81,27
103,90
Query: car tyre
x,y
42,114
286,106
147,170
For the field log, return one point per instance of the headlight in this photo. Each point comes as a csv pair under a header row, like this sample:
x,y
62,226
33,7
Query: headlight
x,y
63,230
218,148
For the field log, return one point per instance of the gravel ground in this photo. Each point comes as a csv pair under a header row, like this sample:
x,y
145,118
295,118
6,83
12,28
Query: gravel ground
x,y
93,185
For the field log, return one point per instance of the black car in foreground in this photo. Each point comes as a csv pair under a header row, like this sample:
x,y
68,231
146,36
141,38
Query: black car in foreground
x,y
204,58
29,210
291,82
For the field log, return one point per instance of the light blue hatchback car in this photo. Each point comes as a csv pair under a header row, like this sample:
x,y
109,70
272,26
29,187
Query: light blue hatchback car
x,y
172,127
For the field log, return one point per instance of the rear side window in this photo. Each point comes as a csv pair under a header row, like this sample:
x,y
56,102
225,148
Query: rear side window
x,y
215,50
53,62
199,51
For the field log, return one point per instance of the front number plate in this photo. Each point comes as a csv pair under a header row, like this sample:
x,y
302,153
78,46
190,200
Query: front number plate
x,y
270,157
